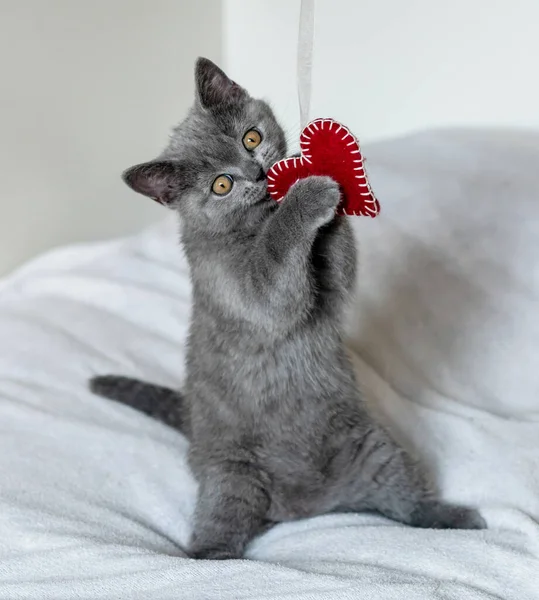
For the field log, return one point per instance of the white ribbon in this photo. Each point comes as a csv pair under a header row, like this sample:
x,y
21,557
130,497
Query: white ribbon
x,y
305,59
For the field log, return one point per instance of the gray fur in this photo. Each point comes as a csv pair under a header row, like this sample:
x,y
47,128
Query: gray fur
x,y
160,402
278,428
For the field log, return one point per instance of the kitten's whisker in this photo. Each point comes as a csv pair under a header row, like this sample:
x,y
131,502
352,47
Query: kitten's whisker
x,y
292,138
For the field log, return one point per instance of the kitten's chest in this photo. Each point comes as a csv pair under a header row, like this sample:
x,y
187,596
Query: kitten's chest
x,y
297,367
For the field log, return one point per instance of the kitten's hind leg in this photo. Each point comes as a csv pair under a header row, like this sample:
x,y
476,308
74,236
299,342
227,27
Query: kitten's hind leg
x,y
161,403
436,514
233,502
389,481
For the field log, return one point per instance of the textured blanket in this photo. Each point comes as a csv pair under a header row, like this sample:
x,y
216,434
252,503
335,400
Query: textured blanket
x,y
95,499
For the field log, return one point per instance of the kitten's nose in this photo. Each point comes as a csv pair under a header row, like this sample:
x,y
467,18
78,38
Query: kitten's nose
x,y
260,176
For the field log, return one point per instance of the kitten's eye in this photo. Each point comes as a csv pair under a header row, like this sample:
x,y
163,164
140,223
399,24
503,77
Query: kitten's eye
x,y
222,185
252,139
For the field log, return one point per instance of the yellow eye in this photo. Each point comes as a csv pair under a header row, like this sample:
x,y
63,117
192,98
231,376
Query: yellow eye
x,y
222,185
252,139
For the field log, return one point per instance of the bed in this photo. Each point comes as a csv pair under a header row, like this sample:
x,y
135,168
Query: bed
x,y
96,499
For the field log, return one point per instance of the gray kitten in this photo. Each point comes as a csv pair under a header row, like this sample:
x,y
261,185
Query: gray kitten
x,y
277,426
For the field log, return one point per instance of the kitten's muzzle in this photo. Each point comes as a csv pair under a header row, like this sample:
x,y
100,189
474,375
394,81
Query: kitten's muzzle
x,y
254,172
260,175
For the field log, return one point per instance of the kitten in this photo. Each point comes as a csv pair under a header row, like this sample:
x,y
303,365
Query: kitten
x,y
277,426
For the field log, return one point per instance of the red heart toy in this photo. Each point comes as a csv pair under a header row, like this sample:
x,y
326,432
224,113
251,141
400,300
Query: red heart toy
x,y
328,148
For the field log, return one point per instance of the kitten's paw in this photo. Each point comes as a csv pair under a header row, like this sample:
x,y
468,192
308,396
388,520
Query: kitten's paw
x,y
317,197
440,515
214,553
468,518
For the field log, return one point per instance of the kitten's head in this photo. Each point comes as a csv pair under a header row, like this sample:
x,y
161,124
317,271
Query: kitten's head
x,y
214,169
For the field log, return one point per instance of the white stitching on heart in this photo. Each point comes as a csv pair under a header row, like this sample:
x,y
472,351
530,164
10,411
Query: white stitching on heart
x,y
368,198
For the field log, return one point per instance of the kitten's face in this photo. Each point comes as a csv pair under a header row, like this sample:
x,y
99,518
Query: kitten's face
x,y
214,168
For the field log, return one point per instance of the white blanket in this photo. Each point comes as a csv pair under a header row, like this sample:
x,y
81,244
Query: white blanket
x,y
95,498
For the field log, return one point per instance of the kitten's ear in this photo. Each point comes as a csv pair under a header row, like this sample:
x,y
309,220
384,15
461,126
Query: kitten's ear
x,y
213,87
160,180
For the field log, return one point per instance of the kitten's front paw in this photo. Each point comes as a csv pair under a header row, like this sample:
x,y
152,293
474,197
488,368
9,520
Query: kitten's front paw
x,y
317,197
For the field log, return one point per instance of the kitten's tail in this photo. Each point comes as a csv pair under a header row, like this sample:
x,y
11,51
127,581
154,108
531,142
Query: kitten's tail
x,y
161,403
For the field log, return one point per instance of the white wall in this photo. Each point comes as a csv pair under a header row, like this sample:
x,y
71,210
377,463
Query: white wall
x,y
87,88
385,67
259,52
